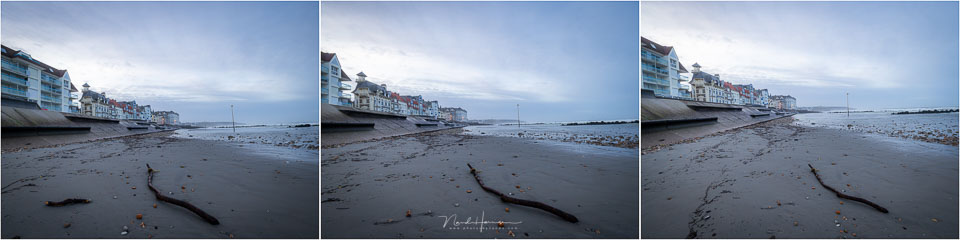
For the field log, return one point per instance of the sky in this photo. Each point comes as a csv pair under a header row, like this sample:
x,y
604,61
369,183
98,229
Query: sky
x,y
885,54
561,61
194,58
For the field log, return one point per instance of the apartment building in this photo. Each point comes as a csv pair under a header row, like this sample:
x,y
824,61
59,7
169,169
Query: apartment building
x,y
661,69
25,78
166,117
455,114
333,81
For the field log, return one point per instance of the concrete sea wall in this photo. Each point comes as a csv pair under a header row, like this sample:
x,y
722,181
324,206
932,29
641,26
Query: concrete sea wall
x,y
340,125
666,121
22,127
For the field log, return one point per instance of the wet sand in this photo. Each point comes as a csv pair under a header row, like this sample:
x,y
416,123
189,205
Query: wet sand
x,y
728,186
368,187
254,192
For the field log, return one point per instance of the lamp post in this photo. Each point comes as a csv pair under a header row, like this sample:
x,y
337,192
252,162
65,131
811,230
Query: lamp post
x,y
848,104
518,116
232,119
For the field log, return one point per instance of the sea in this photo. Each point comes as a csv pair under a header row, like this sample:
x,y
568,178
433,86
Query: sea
x,y
276,140
624,135
931,127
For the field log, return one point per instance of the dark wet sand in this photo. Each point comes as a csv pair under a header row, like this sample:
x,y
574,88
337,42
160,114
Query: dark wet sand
x,y
368,187
252,195
728,185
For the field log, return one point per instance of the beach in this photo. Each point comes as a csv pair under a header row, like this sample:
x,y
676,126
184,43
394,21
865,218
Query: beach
x,y
755,182
255,190
368,188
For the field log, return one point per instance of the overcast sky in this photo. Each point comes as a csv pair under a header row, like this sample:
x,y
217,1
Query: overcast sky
x,y
561,61
886,54
195,58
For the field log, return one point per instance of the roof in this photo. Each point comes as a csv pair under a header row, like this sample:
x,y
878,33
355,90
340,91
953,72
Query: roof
x,y
73,88
369,85
361,74
682,69
326,57
646,43
343,76
696,65
9,52
706,77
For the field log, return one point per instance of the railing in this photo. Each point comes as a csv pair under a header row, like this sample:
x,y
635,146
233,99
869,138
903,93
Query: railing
x,y
654,58
656,70
14,79
324,70
324,91
324,78
345,95
344,85
14,91
14,67
50,89
50,99
49,79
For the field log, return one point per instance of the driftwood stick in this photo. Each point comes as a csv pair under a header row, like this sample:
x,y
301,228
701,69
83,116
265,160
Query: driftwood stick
x,y
66,202
178,202
841,195
528,203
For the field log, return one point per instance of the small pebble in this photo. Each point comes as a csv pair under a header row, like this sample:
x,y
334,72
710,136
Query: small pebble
x,y
456,205
114,196
124,233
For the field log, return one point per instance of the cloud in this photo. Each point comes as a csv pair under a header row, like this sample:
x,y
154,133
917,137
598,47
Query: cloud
x,y
774,46
146,59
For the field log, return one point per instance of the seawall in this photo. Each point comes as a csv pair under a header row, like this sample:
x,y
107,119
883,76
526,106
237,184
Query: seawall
x,y
29,128
341,125
667,121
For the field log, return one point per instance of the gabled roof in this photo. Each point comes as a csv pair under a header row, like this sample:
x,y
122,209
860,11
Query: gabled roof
x,y
646,43
326,57
9,52
682,69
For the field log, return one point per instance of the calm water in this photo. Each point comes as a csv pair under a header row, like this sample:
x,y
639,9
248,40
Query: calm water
x,y
934,127
616,135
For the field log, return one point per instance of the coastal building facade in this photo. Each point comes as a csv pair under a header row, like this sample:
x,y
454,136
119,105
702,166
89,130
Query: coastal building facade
x,y
661,68
333,81
166,117
455,114
707,87
369,95
99,105
25,78
783,102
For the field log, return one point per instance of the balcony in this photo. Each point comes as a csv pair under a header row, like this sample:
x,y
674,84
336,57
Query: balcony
x,y
324,91
14,68
52,80
50,89
345,95
14,91
344,85
324,70
655,70
14,79
50,99
654,58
